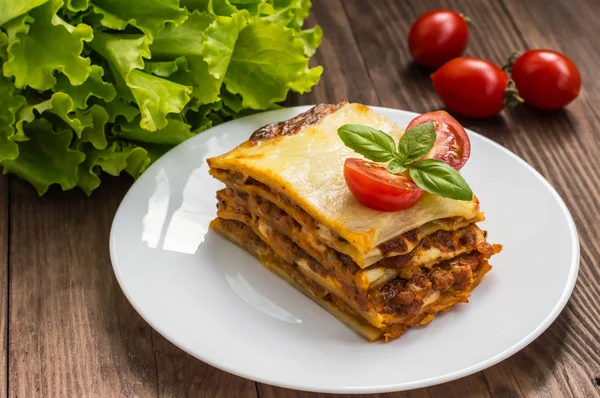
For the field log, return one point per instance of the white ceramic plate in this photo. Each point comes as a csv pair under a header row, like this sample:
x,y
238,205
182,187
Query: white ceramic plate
x,y
218,303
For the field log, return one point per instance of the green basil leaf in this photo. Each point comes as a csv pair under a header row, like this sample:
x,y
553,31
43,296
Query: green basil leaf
x,y
373,144
417,142
438,178
396,166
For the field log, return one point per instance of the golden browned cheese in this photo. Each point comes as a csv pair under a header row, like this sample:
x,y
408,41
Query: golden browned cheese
x,y
304,158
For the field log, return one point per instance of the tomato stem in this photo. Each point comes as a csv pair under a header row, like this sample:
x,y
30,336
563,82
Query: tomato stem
x,y
511,95
511,61
467,19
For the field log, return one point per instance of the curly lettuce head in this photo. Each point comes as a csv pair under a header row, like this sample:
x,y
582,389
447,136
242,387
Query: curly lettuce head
x,y
107,86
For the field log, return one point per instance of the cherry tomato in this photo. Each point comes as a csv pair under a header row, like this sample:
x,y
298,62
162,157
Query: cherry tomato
x,y
375,187
438,36
471,86
546,79
452,144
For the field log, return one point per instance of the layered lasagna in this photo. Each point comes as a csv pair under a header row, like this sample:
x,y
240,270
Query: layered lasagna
x,y
286,202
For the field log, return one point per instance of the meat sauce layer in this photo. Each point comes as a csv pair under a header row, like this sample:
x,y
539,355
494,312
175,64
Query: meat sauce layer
x,y
406,299
402,295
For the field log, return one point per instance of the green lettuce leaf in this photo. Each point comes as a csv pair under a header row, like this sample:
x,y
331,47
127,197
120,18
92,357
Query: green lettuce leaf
x,y
10,9
232,101
291,12
150,16
9,149
123,53
202,118
119,109
77,5
89,170
40,44
174,133
254,7
183,40
186,41
312,39
93,86
10,103
46,158
60,104
89,125
96,16
3,45
194,5
268,61
219,42
306,79
126,157
94,130
221,8
112,160
156,98
166,68
26,115
108,86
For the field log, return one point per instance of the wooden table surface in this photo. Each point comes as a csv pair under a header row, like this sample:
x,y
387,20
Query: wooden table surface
x,y
68,330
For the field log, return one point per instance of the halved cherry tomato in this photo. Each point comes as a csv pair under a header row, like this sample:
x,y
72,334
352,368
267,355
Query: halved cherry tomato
x,y
438,36
546,79
375,187
452,144
471,86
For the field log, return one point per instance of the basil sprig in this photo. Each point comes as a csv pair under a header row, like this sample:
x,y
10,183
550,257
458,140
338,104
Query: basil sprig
x,y
431,175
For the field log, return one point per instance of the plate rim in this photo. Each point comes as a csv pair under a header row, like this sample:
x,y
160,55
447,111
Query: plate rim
x,y
421,383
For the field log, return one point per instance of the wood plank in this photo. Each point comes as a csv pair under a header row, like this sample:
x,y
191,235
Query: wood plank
x,y
473,386
178,373
3,283
552,142
365,33
181,375
382,31
344,73
352,75
565,360
72,332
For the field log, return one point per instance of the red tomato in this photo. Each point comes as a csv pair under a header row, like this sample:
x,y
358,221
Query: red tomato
x,y
546,79
438,36
375,187
452,144
471,86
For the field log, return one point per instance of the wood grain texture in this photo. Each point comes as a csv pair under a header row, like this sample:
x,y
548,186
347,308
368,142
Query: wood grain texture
x,y
563,146
4,219
468,387
178,373
345,74
181,375
72,332
379,33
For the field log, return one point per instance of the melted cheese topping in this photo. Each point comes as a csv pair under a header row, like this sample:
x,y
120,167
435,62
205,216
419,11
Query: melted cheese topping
x,y
308,167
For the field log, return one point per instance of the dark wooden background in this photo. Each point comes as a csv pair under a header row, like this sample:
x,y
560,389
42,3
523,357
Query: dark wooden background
x,y
69,331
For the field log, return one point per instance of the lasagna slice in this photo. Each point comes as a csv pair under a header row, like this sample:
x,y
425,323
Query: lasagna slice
x,y
285,201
